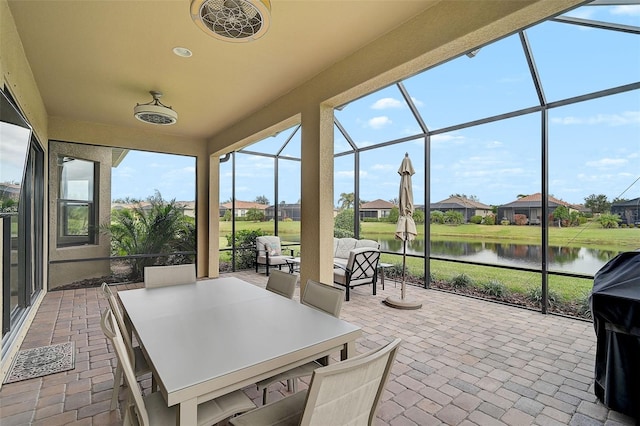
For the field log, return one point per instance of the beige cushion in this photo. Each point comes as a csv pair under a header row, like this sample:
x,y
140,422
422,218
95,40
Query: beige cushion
x,y
273,260
270,244
344,246
367,243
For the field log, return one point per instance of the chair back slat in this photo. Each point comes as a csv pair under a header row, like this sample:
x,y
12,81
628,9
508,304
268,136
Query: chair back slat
x,y
282,283
323,297
348,393
162,276
363,263
116,310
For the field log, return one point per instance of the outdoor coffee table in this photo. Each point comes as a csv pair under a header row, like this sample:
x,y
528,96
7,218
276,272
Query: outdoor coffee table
x,y
294,264
203,340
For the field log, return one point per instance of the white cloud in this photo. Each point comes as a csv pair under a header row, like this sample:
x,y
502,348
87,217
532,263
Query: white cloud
x,y
607,162
594,178
386,103
344,174
379,122
493,144
629,10
627,117
382,167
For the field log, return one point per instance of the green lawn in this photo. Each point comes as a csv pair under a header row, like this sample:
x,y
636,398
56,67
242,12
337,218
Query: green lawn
x,y
588,235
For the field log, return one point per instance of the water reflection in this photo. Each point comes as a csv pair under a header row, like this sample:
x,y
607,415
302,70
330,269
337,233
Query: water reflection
x,y
580,260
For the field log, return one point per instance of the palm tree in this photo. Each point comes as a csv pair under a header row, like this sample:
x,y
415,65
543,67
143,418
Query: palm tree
x,y
346,200
162,228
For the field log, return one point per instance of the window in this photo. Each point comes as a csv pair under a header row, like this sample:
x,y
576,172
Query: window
x,y
76,202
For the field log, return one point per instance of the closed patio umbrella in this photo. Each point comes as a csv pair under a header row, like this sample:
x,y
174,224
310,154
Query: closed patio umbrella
x,y
405,230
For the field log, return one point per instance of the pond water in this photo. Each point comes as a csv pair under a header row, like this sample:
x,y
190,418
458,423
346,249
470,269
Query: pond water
x,y
581,260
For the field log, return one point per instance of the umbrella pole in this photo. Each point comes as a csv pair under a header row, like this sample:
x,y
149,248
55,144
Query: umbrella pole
x,y
403,303
404,267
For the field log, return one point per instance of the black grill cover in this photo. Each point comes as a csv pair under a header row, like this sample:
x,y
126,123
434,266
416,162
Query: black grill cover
x,y
615,307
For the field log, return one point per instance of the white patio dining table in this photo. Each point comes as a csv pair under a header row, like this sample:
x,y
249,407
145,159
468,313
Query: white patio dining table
x,y
215,336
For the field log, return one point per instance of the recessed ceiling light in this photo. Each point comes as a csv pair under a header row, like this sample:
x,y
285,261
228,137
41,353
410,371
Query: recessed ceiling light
x,y
183,52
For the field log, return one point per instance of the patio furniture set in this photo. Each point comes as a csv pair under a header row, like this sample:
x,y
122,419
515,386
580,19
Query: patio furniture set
x,y
202,344
356,262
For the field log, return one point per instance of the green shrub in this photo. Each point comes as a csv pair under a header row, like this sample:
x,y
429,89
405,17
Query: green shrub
x,y
344,221
342,233
535,296
462,280
477,219
584,308
495,288
437,217
489,219
393,271
453,217
505,222
245,243
418,217
607,220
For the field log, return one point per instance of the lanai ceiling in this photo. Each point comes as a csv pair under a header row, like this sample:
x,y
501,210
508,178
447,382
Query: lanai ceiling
x,y
94,60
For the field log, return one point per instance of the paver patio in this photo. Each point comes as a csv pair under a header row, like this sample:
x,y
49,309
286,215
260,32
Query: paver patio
x,y
463,361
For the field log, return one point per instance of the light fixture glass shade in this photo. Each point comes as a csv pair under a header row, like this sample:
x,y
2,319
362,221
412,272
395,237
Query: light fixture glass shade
x,y
232,20
155,112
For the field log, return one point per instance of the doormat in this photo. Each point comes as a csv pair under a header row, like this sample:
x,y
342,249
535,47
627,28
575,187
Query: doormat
x,y
38,362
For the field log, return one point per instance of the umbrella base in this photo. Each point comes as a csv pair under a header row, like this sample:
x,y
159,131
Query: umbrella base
x,y
402,304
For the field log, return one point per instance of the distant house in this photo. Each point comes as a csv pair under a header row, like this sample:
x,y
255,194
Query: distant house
x,y
376,209
531,207
629,211
242,207
467,207
285,212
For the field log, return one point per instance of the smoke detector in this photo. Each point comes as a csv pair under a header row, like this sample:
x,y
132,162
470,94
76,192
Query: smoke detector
x,y
232,20
155,112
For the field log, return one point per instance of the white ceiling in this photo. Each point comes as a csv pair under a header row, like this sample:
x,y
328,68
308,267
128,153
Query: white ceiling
x,y
94,60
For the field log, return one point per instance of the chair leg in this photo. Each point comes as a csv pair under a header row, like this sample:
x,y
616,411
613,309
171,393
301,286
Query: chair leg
x,y
117,378
347,293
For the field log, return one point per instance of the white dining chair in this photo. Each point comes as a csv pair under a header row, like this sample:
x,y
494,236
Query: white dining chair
x,y
324,298
162,276
140,365
282,283
152,410
345,393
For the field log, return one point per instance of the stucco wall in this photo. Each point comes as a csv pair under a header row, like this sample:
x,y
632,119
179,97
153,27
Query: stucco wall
x,y
67,273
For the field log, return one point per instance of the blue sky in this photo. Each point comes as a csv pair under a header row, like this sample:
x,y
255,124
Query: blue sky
x,y
594,146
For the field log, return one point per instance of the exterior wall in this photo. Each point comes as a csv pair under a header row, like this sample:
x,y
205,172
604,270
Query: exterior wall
x,y
66,273
17,77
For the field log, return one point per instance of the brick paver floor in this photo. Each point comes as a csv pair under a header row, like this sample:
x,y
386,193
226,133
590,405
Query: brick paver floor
x,y
462,362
